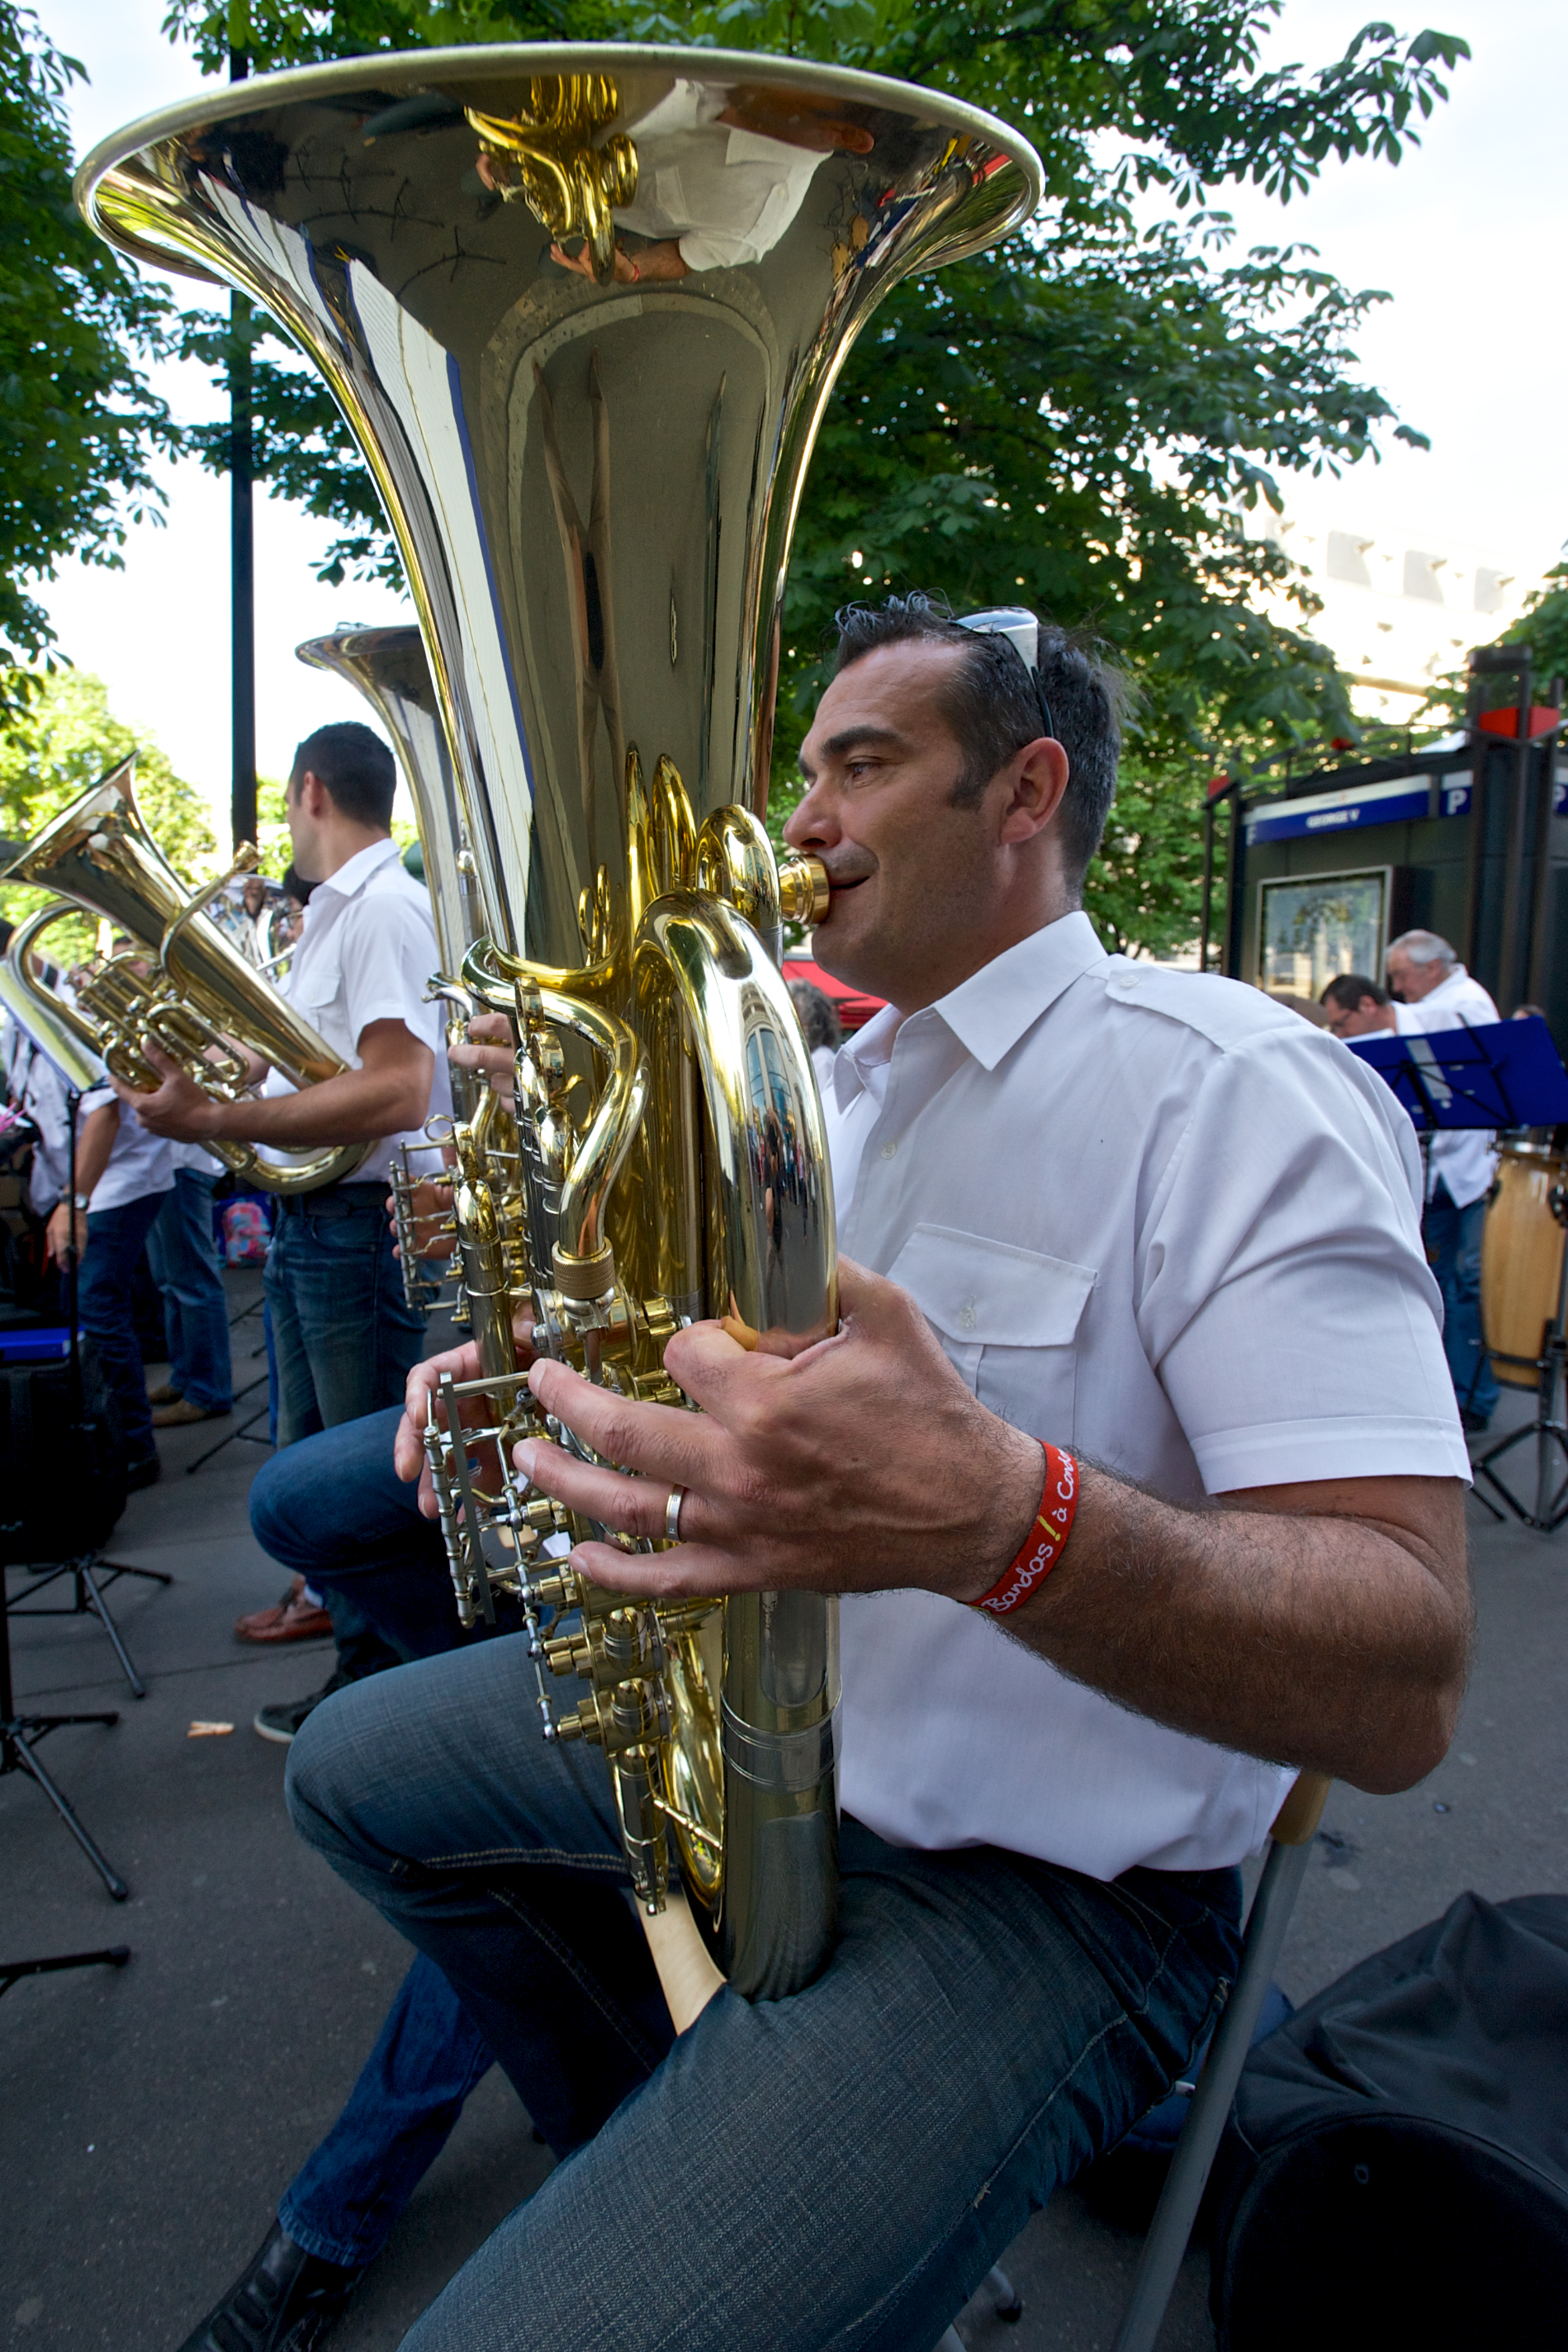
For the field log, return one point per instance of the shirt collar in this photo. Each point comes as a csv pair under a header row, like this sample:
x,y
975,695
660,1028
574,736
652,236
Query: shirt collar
x,y
989,1012
352,876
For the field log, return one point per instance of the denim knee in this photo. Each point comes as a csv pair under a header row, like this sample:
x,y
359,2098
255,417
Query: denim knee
x,y
324,1766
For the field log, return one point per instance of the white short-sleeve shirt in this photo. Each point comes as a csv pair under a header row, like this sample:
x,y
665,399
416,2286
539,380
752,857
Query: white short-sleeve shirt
x,y
139,1162
366,950
1464,1160
1158,1219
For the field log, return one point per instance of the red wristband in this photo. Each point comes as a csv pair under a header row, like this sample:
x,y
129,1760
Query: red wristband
x,y
1043,1546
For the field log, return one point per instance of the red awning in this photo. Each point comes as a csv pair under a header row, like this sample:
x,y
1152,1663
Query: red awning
x,y
853,1009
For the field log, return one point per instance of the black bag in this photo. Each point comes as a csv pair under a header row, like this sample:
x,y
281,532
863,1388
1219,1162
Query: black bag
x,y
62,1475
1396,2171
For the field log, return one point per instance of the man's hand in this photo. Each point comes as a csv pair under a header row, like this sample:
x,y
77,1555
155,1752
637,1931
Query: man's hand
x,y
863,1463
66,1230
490,1051
179,1109
424,1383
1322,1624
431,1207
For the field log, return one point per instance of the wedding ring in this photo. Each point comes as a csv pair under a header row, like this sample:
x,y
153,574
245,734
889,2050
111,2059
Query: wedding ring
x,y
673,1514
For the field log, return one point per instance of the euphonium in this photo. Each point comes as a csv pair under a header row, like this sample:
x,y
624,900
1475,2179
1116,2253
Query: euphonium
x,y
180,985
583,309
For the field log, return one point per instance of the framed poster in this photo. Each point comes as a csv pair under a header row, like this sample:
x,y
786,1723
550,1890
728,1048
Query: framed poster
x,y
1311,927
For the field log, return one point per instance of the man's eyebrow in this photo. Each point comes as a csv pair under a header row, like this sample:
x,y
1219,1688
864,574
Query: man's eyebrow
x,y
853,737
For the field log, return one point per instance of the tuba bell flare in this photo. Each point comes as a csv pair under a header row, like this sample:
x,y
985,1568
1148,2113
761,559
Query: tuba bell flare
x,y
583,307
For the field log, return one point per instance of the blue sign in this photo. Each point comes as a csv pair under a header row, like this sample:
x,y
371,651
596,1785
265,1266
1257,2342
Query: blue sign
x,y
1398,803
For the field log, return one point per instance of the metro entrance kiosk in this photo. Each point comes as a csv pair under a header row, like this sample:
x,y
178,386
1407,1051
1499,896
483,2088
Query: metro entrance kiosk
x,y
1508,1074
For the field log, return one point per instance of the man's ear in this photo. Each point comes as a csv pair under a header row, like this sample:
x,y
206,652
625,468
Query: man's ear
x,y
1037,780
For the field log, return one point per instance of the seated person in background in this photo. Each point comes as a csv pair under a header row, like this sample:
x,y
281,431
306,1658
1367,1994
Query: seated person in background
x,y
123,1175
820,1020
1356,1006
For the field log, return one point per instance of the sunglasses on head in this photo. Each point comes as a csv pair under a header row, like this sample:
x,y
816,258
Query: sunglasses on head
x,y
1021,630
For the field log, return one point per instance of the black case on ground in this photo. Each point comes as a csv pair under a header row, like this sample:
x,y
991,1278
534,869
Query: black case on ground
x,y
62,1477
1396,2171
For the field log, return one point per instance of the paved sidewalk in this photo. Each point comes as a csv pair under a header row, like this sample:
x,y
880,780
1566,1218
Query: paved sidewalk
x,y
153,2114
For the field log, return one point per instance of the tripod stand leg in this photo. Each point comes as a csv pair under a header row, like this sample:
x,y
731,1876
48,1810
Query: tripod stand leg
x,y
13,1972
22,1759
94,1601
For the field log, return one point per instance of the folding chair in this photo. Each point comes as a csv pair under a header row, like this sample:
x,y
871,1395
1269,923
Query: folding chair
x,y
1289,1847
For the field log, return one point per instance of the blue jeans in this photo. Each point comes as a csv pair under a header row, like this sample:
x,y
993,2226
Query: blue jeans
x,y
342,2203
187,1269
115,1239
332,1510
838,2169
344,1340
1453,1238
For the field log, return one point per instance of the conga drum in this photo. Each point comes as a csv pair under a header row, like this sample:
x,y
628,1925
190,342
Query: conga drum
x,y
1521,1261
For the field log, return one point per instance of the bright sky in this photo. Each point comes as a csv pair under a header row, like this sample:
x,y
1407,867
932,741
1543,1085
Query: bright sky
x,y
1465,236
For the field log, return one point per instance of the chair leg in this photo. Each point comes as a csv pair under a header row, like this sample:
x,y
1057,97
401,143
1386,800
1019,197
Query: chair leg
x,y
1183,2193
1005,2297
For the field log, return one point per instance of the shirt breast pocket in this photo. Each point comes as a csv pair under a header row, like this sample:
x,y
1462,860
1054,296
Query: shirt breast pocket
x,y
1007,1320
315,994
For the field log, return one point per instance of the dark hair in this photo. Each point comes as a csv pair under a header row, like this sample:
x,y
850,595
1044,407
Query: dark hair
x,y
295,886
991,706
819,1016
355,767
1349,989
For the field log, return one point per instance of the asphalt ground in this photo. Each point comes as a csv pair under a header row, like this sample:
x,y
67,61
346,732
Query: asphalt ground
x,y
148,2116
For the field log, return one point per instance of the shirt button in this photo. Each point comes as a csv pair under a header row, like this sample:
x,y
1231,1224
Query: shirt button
x,y
890,1150
967,1316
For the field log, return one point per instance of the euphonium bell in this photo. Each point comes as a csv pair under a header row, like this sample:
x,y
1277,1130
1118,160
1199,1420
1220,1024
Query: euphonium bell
x,y
583,308
180,985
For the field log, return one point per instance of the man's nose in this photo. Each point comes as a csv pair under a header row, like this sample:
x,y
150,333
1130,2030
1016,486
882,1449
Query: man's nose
x,y
810,824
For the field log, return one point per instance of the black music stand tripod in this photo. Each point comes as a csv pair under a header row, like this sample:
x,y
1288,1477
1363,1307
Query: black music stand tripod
x,y
19,1736
1549,1427
1507,1074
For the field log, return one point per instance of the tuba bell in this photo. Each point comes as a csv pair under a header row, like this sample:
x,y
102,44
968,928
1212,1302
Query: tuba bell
x,y
583,308
180,985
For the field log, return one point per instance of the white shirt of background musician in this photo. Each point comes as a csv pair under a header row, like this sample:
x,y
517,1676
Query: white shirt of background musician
x,y
1464,1159
1155,1217
138,1163
367,950
727,195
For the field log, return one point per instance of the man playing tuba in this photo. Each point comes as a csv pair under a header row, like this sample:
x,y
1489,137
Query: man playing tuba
x,y
1136,1463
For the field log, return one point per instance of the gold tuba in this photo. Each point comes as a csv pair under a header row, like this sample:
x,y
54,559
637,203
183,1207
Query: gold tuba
x,y
589,412
181,984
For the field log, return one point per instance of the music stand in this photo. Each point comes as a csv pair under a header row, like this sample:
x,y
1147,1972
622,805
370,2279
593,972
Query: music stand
x,y
1505,1074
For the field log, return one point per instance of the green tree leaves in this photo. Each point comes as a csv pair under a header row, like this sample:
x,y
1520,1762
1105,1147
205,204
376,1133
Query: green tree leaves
x,y
64,740
1081,420
74,409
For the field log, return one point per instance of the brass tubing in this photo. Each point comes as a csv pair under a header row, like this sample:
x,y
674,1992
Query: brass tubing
x,y
55,1026
772,1257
